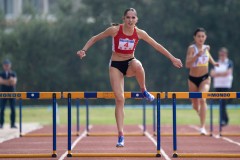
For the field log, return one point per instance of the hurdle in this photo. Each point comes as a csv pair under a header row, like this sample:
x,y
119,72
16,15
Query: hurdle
x,y
109,95
209,95
36,95
170,134
183,95
47,134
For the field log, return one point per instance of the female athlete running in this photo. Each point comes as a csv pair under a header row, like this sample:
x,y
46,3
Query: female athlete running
x,y
198,58
125,37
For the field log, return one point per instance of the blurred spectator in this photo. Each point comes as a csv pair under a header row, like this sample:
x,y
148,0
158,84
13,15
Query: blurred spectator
x,y
8,81
222,79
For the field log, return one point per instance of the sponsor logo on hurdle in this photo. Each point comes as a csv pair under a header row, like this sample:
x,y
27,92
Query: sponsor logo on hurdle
x,y
34,95
136,95
218,95
10,95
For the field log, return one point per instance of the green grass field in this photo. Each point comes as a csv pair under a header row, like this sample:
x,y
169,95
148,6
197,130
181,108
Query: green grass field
x,y
105,116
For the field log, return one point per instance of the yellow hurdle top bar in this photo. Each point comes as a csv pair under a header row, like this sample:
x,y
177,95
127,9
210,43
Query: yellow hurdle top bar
x,y
30,95
208,95
110,95
107,95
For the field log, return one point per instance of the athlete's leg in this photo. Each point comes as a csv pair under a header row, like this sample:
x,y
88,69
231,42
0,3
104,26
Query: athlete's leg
x,y
204,87
136,69
117,83
195,101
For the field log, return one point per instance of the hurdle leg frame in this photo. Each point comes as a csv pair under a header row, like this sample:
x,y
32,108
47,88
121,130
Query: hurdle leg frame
x,y
20,117
78,118
158,127
69,125
87,115
54,108
220,116
211,117
174,126
154,117
144,116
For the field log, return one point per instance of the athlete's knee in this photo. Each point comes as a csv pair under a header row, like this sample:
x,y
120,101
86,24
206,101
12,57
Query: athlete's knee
x,y
137,65
195,104
119,98
202,101
195,107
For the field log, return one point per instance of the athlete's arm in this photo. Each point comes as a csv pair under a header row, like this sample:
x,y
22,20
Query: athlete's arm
x,y
212,61
190,59
143,35
213,73
108,32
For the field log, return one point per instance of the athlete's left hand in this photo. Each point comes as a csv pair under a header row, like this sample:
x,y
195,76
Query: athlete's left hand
x,y
81,53
216,64
177,62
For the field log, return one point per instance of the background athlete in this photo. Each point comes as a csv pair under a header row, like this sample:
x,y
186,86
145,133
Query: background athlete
x,y
123,63
198,58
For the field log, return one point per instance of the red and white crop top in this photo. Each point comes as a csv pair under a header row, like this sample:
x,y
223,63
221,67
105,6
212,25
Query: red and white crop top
x,y
124,44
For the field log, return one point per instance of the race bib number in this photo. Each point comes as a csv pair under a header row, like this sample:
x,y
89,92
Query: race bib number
x,y
126,44
203,60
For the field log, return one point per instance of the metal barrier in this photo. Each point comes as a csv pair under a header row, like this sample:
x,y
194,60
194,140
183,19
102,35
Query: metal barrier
x,y
209,95
36,95
110,95
48,134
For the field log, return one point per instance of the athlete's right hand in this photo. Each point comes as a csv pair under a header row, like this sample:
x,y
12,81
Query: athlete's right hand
x,y
201,52
177,62
81,53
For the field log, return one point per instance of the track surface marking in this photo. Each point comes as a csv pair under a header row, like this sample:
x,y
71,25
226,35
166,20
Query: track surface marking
x,y
217,136
74,144
88,144
155,143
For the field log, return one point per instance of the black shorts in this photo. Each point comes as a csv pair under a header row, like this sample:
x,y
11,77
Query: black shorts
x,y
198,80
122,66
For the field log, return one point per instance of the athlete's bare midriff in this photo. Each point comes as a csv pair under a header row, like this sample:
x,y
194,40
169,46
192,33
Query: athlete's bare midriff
x,y
198,71
121,57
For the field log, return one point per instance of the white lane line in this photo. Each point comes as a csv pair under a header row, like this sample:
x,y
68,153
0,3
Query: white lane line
x,y
75,143
231,141
155,143
194,127
217,136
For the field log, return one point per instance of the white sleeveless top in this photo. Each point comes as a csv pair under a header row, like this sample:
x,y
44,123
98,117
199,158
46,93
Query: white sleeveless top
x,y
203,59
